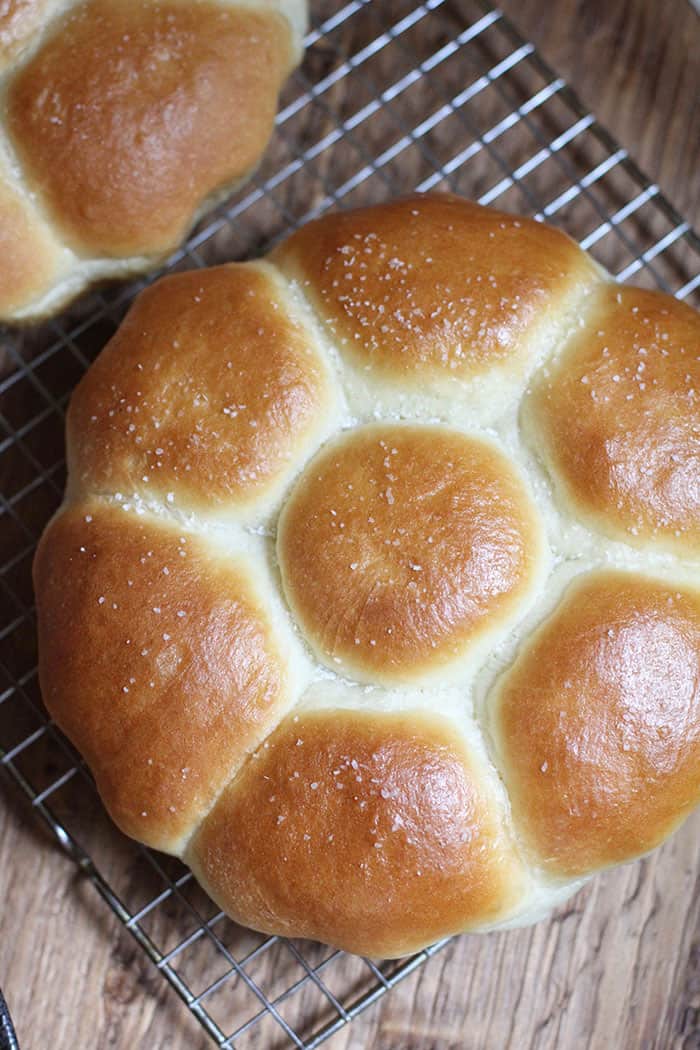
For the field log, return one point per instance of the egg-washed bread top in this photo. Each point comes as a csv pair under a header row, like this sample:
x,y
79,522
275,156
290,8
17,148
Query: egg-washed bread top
x,y
617,419
121,121
373,596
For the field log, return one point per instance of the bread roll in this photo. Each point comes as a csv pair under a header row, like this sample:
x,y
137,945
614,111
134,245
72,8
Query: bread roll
x,y
122,121
375,594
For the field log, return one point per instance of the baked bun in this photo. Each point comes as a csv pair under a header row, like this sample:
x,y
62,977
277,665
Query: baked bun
x,y
375,594
121,122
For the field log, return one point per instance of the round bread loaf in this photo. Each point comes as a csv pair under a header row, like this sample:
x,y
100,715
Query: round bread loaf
x,y
123,121
375,594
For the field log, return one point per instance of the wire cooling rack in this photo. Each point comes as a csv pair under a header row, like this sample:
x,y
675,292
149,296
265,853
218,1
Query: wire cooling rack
x,y
393,96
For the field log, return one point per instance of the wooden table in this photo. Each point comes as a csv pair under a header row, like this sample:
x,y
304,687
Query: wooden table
x,y
619,967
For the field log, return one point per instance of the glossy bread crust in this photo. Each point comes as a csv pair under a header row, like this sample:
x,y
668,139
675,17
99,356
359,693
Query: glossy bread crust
x,y
158,659
598,722
616,419
345,823
152,108
204,397
429,288
125,118
402,546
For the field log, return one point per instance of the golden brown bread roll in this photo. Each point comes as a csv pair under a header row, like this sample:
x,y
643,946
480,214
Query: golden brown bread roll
x,y
122,121
373,595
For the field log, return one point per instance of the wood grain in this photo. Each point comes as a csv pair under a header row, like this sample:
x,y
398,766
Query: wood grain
x,y
619,967
636,64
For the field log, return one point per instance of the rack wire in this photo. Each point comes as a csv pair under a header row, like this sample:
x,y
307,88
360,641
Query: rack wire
x,y
392,97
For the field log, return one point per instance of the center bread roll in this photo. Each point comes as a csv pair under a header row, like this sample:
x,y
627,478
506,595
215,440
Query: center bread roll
x,y
405,549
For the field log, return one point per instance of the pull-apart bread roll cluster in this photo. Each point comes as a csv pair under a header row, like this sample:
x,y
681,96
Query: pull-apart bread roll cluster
x,y
122,120
375,594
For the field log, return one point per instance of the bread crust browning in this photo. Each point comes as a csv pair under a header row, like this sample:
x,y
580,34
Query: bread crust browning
x,y
431,287
205,397
151,107
158,660
402,546
598,722
31,257
126,120
617,419
373,831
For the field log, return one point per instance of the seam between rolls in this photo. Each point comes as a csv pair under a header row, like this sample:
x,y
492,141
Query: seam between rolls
x,y
304,311
483,707
260,742
83,495
156,510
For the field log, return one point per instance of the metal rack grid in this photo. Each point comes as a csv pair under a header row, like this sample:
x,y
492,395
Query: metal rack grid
x,y
392,97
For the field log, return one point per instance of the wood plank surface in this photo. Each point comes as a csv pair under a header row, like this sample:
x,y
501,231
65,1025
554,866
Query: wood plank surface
x,y
618,968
